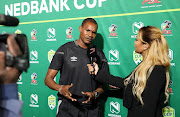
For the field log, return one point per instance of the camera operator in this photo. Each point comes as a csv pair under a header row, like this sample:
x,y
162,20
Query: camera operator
x,y
10,105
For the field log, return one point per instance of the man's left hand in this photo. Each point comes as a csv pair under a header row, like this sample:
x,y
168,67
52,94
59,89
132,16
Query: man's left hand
x,y
89,94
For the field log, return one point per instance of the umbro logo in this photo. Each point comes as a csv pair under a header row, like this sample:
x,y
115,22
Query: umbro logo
x,y
73,58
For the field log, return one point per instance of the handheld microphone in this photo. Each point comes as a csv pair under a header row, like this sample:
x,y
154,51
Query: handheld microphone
x,y
7,20
91,53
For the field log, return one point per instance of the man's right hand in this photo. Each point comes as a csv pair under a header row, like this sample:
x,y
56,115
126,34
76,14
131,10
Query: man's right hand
x,y
64,90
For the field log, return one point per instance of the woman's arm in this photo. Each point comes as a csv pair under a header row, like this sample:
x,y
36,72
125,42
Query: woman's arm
x,y
107,78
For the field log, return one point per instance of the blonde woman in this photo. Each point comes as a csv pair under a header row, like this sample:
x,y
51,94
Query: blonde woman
x,y
146,88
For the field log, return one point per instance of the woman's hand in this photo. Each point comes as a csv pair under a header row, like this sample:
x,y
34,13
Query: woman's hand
x,y
93,69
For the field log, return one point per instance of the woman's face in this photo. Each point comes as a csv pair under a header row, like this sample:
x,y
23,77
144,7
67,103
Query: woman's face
x,y
139,46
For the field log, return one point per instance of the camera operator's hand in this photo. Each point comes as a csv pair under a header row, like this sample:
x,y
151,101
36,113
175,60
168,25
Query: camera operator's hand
x,y
9,74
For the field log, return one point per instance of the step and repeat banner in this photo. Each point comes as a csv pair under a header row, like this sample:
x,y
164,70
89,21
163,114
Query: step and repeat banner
x,y
49,24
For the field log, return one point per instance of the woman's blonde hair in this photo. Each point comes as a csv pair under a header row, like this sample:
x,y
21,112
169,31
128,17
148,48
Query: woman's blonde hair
x,y
157,54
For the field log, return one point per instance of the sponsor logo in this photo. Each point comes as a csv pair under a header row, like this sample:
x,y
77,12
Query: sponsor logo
x,y
137,57
20,96
171,57
73,58
34,100
51,53
135,28
51,33
33,79
151,3
39,7
20,80
112,30
34,57
165,26
3,32
170,89
33,35
18,31
114,57
168,112
114,109
69,31
52,102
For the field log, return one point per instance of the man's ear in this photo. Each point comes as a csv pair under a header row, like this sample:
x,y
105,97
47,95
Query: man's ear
x,y
80,28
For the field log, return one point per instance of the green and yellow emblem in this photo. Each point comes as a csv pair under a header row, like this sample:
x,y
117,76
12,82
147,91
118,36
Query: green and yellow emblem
x,y
52,102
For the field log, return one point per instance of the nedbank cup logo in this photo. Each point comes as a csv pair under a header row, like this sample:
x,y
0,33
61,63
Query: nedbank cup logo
x,y
18,31
136,26
69,31
168,112
20,96
137,57
52,102
50,55
112,30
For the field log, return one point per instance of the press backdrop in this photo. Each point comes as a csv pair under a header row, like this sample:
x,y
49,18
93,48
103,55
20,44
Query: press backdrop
x,y
50,23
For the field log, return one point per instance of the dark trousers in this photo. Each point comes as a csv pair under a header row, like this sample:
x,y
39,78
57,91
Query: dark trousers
x,y
72,109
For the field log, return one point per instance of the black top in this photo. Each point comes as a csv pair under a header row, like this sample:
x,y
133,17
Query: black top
x,y
153,94
72,62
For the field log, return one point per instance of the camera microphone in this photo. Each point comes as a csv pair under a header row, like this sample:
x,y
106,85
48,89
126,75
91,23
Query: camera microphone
x,y
7,20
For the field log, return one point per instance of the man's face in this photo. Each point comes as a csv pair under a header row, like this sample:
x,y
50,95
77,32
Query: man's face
x,y
88,32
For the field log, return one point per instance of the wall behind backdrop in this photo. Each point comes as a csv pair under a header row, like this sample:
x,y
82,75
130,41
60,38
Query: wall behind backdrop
x,y
51,23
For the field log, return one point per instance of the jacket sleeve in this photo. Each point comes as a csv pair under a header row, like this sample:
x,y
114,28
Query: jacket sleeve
x,y
107,78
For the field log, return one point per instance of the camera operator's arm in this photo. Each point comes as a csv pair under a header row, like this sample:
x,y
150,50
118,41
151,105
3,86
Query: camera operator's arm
x,y
8,87
9,74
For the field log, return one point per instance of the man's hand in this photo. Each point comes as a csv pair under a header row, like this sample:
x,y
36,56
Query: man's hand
x,y
66,93
90,95
9,74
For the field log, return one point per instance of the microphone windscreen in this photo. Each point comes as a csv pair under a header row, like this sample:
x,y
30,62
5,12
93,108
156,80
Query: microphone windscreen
x,y
7,20
91,52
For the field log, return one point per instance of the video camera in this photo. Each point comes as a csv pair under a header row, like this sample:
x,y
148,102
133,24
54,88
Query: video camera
x,y
20,62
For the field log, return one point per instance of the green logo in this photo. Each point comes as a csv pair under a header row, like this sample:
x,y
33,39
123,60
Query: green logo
x,y
137,57
52,102
50,55
20,96
168,112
